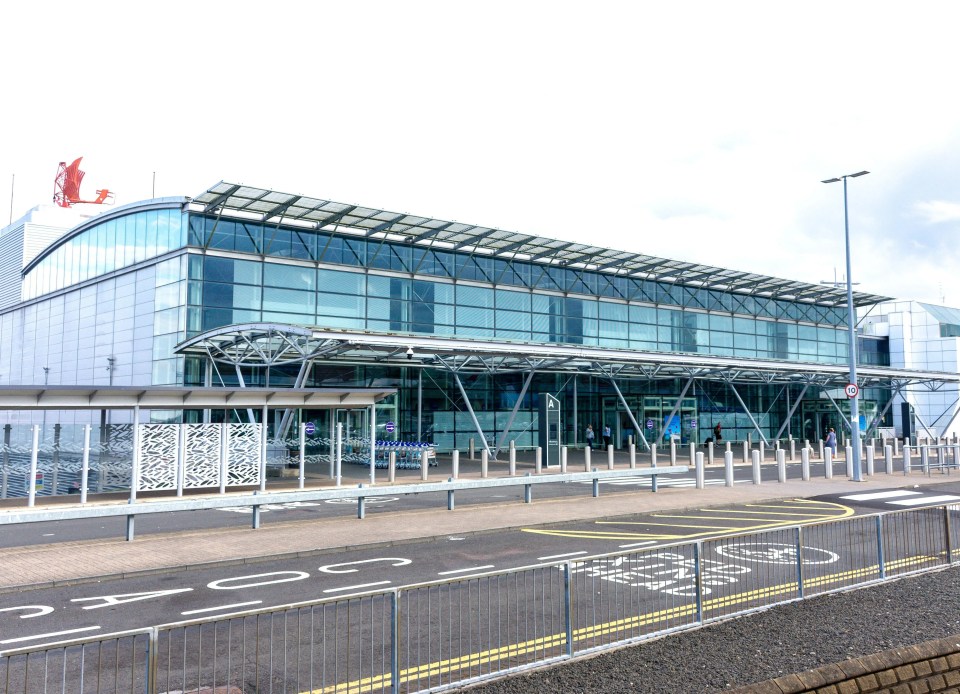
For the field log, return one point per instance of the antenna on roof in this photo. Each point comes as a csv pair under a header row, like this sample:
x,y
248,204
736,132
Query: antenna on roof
x,y
66,186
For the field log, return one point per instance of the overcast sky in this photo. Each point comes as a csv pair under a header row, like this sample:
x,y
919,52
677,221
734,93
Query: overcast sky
x,y
690,130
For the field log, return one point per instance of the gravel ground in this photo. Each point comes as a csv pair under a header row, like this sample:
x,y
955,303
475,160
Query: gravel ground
x,y
783,640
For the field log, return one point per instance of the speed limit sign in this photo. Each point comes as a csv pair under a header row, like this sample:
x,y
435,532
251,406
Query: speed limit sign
x,y
851,390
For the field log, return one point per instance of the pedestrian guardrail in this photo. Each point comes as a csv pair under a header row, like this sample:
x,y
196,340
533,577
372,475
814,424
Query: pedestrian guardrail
x,y
358,493
446,634
941,457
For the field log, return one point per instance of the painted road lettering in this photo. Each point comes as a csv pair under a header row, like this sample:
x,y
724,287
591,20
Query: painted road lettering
x,y
40,610
288,576
124,598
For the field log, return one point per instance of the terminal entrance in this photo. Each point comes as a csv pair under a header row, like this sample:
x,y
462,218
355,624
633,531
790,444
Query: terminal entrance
x,y
651,413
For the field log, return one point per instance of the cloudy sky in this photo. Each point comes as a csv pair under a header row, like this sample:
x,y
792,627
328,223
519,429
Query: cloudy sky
x,y
690,130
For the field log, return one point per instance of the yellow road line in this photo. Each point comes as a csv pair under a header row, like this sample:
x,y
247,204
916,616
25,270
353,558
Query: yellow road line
x,y
559,641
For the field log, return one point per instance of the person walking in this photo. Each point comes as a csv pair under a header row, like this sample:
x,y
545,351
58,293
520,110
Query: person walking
x,y
589,436
717,433
606,437
831,441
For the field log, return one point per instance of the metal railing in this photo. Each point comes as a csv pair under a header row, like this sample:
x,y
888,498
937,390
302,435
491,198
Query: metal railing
x,y
444,634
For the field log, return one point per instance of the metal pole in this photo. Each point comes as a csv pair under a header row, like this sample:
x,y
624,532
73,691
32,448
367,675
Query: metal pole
x,y
473,416
419,406
513,414
373,448
85,464
303,453
263,449
793,408
855,401
135,462
32,480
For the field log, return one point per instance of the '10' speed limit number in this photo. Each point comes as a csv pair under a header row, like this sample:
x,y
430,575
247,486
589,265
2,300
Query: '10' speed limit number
x,y
851,390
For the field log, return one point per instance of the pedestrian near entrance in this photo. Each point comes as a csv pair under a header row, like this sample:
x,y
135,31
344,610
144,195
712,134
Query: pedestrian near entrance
x,y
831,441
717,432
589,436
606,437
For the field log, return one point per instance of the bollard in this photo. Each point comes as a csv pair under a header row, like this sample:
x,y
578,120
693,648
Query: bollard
x,y
805,464
746,451
653,455
454,463
698,457
392,466
870,454
709,452
361,505
906,459
633,456
728,448
473,450
793,450
538,463
828,463
513,460
451,502
848,459
728,468
424,469
673,451
763,451
596,487
693,453
528,491
925,460
587,454
820,445
756,467
896,446
563,459
610,457
888,459
484,463
781,465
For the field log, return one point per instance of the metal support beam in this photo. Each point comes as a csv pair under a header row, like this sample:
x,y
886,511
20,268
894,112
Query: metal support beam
x,y
676,408
793,408
253,420
287,419
473,416
929,430
839,411
747,411
879,418
623,401
513,414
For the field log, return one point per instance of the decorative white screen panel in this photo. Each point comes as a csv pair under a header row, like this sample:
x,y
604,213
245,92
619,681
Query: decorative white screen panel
x,y
243,454
201,456
159,444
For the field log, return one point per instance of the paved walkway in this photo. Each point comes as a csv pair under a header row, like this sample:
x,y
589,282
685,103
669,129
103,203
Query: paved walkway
x,y
83,561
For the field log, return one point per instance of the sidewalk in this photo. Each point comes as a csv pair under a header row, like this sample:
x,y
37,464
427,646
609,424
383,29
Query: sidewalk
x,y
85,561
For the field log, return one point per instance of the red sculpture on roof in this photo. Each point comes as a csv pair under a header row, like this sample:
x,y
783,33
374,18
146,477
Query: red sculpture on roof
x,y
66,187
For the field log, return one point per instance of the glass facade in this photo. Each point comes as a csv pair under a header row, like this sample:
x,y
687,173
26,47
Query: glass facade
x,y
123,327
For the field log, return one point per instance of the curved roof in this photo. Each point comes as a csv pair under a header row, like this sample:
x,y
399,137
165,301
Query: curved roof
x,y
316,213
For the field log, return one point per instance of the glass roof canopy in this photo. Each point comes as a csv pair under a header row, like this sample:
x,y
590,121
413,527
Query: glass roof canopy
x,y
269,206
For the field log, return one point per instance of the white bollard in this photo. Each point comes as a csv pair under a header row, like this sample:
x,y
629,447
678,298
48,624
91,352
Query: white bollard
x,y
392,464
538,461
896,446
424,469
728,449
781,465
610,457
653,455
906,459
513,460
728,468
763,451
698,457
473,450
870,454
756,467
888,459
848,458
828,463
820,451
454,463
587,455
563,460
746,451
793,450
709,452
805,464
673,451
633,455
693,453
484,463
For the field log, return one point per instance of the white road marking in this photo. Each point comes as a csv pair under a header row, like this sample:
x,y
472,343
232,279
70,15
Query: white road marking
x,y
460,571
41,610
334,568
356,587
891,494
561,556
50,634
221,607
637,544
291,576
123,598
48,535
926,500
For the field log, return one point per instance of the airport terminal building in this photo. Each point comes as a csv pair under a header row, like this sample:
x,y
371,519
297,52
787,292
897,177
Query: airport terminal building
x,y
471,326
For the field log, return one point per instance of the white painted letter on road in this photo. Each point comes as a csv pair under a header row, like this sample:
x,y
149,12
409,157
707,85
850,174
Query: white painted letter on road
x,y
129,597
287,576
335,568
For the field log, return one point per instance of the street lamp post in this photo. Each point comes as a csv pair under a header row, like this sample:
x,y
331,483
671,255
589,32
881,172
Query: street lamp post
x,y
852,320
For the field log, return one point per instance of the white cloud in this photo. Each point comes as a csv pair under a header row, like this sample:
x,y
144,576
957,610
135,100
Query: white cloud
x,y
938,211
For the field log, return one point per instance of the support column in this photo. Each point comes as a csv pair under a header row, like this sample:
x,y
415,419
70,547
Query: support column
x,y
676,408
207,383
747,411
633,420
473,416
263,449
793,408
373,447
135,460
286,420
419,406
250,417
513,414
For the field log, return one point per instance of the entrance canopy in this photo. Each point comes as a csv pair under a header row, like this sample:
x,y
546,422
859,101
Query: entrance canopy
x,y
173,398
267,344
